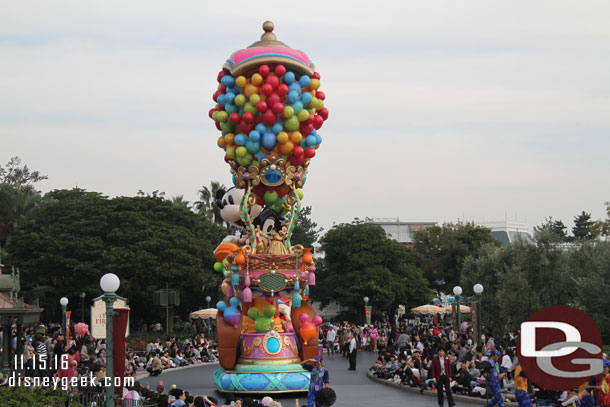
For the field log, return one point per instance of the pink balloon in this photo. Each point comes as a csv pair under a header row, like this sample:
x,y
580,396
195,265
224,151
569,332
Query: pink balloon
x,y
303,318
317,320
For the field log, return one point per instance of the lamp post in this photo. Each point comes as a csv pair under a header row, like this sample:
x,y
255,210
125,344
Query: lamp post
x,y
82,306
457,291
208,299
63,301
109,283
366,303
478,290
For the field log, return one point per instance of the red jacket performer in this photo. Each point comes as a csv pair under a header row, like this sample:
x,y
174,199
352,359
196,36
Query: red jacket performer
x,y
441,371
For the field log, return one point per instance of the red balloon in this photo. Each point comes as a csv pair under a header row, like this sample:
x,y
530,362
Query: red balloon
x,y
257,119
309,119
273,80
245,127
218,126
324,113
280,70
264,70
310,152
261,106
222,87
267,89
269,118
318,121
320,95
234,118
220,75
316,75
294,160
282,117
248,117
273,99
282,90
216,94
305,129
226,159
298,151
211,112
277,108
220,107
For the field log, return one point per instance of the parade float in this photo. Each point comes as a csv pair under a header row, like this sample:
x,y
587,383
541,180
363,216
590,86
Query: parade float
x,y
269,109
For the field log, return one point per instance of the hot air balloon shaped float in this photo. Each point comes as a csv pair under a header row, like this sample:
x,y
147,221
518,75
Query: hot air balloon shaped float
x,y
269,108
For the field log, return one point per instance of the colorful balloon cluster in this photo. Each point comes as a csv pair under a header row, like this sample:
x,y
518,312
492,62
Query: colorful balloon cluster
x,y
271,113
308,329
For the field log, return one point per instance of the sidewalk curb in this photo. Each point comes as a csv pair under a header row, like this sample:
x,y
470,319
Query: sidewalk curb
x,y
175,369
459,397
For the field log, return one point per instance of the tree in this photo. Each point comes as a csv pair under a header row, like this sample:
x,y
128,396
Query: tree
x,y
551,231
16,205
360,260
19,177
76,236
207,202
180,201
582,226
441,251
306,231
602,227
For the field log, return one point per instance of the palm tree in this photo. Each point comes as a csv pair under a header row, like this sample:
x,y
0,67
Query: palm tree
x,y
16,205
207,202
179,200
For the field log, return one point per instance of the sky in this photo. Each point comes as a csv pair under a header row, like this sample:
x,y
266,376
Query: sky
x,y
439,111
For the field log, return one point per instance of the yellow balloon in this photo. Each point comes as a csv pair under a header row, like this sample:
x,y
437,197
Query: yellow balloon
x,y
223,287
250,90
314,84
231,152
221,142
282,137
286,148
254,99
241,81
230,139
256,79
240,100
296,137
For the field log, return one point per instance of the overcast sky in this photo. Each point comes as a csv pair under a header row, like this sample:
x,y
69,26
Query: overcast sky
x,y
439,111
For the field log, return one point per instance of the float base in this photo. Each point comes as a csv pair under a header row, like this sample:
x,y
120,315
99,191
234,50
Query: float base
x,y
267,379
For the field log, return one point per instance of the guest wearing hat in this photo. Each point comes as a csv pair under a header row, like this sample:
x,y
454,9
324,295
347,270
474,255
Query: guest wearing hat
x,y
603,385
319,379
494,376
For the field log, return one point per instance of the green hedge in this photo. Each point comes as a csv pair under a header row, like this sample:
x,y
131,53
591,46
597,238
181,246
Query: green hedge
x,y
42,397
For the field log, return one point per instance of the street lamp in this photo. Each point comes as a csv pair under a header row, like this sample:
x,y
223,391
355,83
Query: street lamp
x,y
109,283
478,290
82,306
366,302
63,301
208,299
457,291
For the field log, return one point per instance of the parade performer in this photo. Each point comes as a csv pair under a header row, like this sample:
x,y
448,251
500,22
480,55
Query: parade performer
x,y
602,383
319,379
521,393
494,376
441,371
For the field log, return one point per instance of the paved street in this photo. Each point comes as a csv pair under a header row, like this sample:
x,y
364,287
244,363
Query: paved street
x,y
352,388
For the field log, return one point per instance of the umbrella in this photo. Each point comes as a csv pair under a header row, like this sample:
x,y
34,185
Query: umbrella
x,y
204,313
463,309
428,309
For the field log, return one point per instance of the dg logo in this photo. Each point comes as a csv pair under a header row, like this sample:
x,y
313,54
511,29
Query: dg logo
x,y
560,347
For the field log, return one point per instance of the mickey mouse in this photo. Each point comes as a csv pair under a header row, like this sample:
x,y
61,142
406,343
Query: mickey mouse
x,y
228,201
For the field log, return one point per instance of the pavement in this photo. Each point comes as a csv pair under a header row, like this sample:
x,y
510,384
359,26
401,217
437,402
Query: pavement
x,y
352,388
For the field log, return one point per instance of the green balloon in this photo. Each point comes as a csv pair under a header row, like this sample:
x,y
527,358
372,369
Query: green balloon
x,y
249,108
218,266
292,124
270,197
222,116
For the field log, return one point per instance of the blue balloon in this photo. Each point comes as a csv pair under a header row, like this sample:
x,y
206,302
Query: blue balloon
x,y
229,97
293,96
235,90
231,109
253,147
261,128
288,77
297,107
269,140
305,81
228,81
240,139
277,127
296,87
221,99
306,98
255,136
310,140
318,139
303,143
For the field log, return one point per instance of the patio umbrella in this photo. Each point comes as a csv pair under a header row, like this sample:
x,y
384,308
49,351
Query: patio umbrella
x,y
204,313
464,309
428,309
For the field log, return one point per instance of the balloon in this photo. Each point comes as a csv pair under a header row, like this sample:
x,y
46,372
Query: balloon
x,y
81,329
306,98
254,147
293,96
264,70
256,79
270,197
310,152
269,118
240,139
296,137
280,70
267,89
254,99
288,112
291,124
261,106
241,81
289,78
269,140
286,148
282,137
304,81
303,115
282,90
254,136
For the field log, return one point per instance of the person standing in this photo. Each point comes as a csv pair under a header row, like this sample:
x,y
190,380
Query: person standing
x,y
330,340
521,393
441,371
353,348
494,376
603,385
319,379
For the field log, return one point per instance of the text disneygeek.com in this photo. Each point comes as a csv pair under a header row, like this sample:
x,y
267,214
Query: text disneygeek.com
x,y
65,383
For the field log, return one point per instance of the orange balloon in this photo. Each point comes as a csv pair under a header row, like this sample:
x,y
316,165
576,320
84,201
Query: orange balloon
x,y
224,249
240,258
307,331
